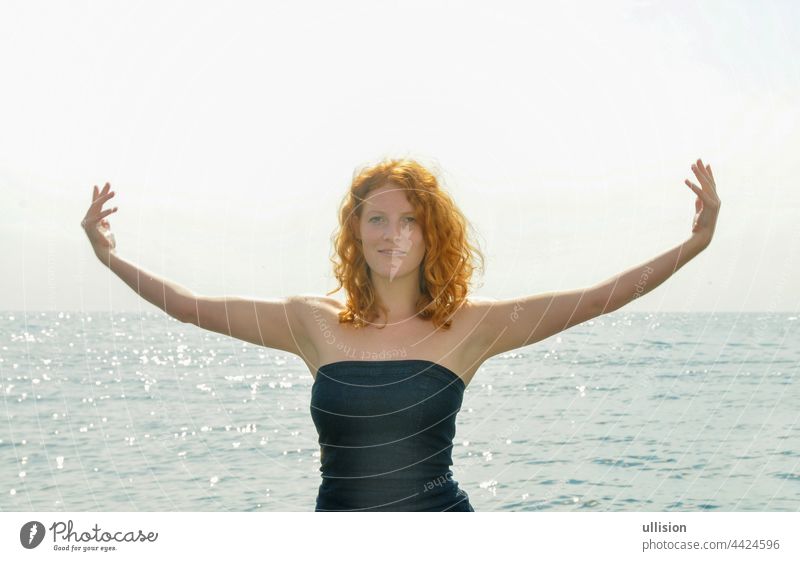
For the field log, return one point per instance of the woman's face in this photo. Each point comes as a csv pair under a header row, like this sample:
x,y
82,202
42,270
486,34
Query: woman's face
x,y
388,223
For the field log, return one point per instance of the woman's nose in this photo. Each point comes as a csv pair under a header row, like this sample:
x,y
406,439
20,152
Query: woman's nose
x,y
392,232
396,235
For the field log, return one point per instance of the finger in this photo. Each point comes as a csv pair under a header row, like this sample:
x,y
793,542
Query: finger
x,y
698,191
698,171
107,212
105,189
710,173
101,199
705,180
701,166
97,193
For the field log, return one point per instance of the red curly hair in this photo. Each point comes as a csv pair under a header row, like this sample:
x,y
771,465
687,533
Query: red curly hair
x,y
450,258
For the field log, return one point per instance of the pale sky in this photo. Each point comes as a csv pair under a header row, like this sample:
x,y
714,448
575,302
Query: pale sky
x,y
563,132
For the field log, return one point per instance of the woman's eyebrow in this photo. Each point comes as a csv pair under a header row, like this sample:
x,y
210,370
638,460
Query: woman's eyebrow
x,y
382,212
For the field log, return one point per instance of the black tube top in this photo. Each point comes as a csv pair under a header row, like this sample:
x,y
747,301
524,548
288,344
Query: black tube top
x,y
386,432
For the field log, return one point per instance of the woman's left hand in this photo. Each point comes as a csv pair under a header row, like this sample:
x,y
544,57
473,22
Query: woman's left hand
x,y
707,204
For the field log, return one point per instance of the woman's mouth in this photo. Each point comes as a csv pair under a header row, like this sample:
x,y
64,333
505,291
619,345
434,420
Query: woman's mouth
x,y
392,252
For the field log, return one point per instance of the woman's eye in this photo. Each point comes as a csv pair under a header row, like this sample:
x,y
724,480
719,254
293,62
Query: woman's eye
x,y
375,218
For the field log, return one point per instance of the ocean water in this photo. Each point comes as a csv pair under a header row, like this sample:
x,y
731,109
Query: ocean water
x,y
628,412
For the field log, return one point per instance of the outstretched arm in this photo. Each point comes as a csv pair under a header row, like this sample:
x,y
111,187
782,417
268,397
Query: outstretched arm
x,y
509,324
625,287
272,323
166,295
622,289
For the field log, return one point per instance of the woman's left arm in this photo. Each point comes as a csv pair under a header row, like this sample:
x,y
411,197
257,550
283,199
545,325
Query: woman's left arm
x,y
512,323
622,289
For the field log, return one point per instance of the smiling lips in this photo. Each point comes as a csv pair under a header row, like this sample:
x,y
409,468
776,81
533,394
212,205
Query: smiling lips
x,y
391,252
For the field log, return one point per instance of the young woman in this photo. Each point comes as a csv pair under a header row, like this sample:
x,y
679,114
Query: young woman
x,y
390,365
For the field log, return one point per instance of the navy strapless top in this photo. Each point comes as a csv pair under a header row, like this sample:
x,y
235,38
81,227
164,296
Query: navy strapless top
x,y
386,432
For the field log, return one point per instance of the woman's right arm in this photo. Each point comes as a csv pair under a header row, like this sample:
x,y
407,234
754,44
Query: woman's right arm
x,y
271,323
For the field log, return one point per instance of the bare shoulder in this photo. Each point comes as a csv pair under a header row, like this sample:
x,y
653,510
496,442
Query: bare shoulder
x,y
314,308
472,315
475,308
512,323
478,302
308,303
313,311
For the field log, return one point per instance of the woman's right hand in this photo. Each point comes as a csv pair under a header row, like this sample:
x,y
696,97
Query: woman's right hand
x,y
95,224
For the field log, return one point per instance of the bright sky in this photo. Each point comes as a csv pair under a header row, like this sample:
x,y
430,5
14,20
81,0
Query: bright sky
x,y
564,133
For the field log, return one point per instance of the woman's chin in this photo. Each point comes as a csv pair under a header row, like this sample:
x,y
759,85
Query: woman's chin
x,y
388,271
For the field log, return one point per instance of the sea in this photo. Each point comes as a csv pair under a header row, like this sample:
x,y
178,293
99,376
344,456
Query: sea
x,y
628,412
